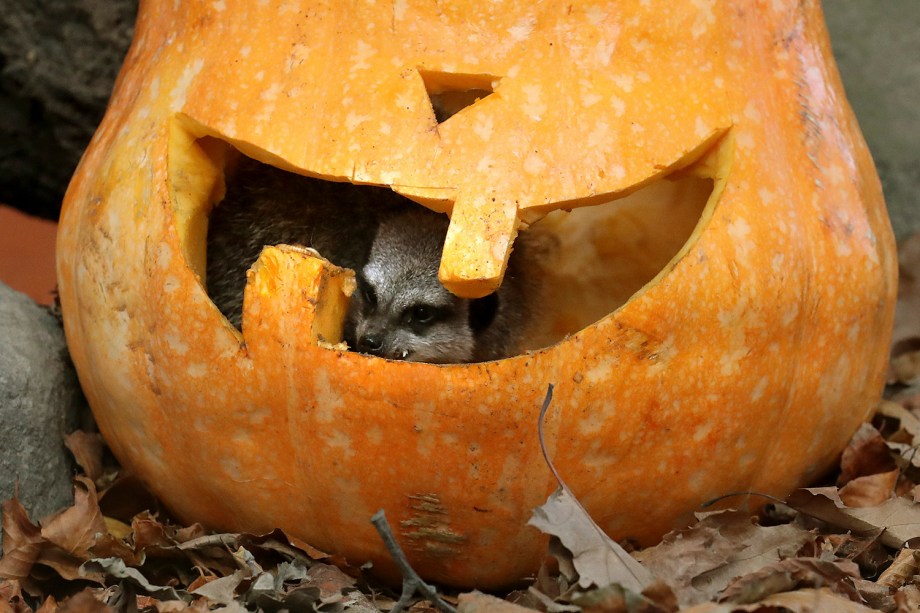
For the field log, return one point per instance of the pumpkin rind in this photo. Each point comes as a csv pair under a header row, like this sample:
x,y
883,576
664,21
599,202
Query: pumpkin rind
x,y
743,366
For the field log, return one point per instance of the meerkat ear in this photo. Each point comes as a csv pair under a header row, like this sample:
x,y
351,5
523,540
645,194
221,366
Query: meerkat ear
x,y
482,312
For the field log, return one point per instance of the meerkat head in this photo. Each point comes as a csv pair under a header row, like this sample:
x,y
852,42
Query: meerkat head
x,y
400,310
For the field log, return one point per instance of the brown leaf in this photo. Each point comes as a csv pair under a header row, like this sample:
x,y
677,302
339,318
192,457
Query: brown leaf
x,y
477,602
329,579
87,448
126,497
614,599
866,454
903,568
870,490
84,602
700,561
598,559
906,367
22,542
76,528
898,519
908,599
790,574
11,600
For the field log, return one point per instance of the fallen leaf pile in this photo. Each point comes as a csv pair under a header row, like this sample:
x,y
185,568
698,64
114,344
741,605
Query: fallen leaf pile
x,y
852,544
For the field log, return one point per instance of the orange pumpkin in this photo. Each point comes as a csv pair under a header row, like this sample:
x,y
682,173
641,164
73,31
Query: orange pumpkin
x,y
723,329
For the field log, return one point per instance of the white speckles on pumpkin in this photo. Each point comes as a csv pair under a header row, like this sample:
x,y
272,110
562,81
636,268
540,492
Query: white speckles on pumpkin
x,y
761,387
197,370
534,164
353,120
604,51
164,256
522,29
624,81
177,95
175,342
328,402
589,99
535,106
359,58
219,5
339,441
483,126
702,128
740,231
399,9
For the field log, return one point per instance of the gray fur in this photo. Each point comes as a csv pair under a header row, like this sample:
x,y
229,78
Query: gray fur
x,y
394,246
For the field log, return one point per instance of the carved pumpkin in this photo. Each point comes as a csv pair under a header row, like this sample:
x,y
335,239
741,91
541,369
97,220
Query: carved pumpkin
x,y
723,329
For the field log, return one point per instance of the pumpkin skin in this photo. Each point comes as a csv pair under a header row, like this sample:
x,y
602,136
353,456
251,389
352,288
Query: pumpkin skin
x,y
743,365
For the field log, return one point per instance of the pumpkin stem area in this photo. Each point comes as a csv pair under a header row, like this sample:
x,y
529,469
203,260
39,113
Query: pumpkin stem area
x,y
572,268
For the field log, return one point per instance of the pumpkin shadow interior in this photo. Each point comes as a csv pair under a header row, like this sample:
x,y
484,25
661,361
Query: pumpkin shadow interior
x,y
595,258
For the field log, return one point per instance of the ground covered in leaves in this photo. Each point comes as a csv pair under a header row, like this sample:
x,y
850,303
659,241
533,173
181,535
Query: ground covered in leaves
x,y
850,544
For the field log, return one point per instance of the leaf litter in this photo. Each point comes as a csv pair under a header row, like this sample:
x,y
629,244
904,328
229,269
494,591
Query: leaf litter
x,y
849,544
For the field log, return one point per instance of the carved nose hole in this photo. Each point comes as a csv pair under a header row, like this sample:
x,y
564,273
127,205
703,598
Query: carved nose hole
x,y
450,93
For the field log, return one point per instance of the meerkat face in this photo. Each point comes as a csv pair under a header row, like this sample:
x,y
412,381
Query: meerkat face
x,y
400,310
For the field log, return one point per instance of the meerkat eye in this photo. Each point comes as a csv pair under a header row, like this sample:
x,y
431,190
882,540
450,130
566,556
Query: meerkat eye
x,y
369,295
420,315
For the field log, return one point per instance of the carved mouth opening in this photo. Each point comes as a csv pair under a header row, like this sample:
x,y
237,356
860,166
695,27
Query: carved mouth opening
x,y
590,261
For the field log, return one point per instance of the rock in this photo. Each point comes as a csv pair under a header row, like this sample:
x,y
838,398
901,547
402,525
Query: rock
x,y
58,62
40,400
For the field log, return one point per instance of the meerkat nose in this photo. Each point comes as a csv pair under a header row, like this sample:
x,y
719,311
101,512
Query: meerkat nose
x,y
370,343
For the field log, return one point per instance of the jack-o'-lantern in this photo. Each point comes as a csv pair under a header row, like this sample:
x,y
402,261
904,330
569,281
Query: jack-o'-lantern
x,y
720,299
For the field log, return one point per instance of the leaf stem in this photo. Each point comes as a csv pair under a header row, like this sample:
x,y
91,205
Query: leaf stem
x,y
412,583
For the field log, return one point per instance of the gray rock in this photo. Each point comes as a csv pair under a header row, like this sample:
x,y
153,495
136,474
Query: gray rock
x,y
877,45
40,400
58,61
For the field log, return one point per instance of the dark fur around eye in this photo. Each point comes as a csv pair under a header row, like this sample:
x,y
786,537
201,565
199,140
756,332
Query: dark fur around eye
x,y
482,312
368,293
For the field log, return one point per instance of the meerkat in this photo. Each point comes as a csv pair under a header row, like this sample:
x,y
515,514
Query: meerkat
x,y
399,311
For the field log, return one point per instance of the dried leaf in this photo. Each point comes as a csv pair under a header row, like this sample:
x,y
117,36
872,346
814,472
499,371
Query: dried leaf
x,y
908,599
866,454
116,567
869,491
11,600
906,367
614,599
84,602
598,559
700,561
897,518
222,590
87,449
904,567
791,574
76,528
801,601
22,542
477,602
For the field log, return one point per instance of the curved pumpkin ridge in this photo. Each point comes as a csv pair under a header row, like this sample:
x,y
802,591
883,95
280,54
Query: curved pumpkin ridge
x,y
724,373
